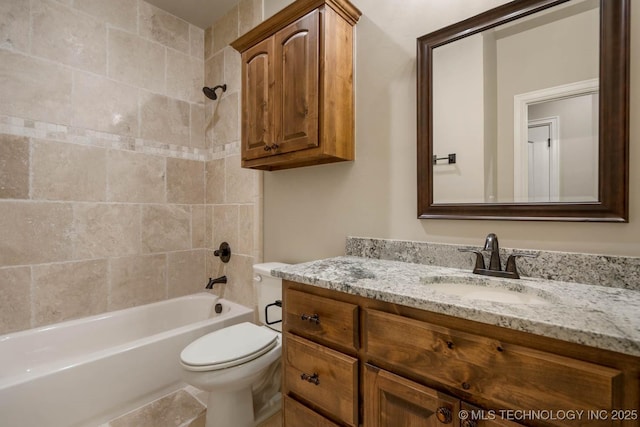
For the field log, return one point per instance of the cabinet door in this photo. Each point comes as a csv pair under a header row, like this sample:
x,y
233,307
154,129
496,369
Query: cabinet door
x,y
257,100
392,401
297,50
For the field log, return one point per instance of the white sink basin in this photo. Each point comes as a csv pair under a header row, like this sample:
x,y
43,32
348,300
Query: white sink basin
x,y
494,292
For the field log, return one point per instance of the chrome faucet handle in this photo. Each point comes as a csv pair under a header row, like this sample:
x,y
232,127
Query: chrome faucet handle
x,y
479,258
511,262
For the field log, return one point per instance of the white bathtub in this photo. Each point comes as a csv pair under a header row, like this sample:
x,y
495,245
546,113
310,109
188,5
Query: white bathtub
x,y
87,371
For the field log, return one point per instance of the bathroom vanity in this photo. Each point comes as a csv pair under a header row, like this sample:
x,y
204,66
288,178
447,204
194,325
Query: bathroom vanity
x,y
386,343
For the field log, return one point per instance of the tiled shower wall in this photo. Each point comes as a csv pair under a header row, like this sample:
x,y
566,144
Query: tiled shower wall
x,y
117,178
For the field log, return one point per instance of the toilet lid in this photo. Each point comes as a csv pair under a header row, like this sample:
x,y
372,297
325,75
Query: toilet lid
x,y
228,347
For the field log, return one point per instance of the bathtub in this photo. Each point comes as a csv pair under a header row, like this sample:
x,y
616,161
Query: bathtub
x,y
87,371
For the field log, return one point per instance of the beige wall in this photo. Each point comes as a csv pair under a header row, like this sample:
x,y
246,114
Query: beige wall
x,y
117,179
308,212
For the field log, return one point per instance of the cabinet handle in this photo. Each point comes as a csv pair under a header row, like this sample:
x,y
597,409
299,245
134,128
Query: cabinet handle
x,y
310,378
444,415
468,423
313,318
271,147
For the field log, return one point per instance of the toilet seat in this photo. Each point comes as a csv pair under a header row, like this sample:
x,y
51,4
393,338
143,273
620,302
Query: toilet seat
x,y
228,347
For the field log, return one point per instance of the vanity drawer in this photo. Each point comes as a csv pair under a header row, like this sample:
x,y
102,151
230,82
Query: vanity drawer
x,y
298,415
323,377
327,321
510,376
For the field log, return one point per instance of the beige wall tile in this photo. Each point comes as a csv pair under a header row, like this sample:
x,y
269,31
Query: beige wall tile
x,y
196,42
198,226
226,124
245,230
35,232
185,181
68,171
14,25
240,281
164,119
117,13
14,167
225,30
208,43
103,104
242,184
185,76
250,14
215,181
162,27
15,299
186,272
214,70
208,231
137,280
198,125
135,177
136,61
69,290
62,34
106,230
232,69
166,228
33,88
225,225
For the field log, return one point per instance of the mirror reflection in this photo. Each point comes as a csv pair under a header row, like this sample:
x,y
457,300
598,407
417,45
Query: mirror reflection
x,y
518,106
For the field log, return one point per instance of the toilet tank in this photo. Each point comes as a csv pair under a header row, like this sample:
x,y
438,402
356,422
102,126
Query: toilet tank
x,y
268,290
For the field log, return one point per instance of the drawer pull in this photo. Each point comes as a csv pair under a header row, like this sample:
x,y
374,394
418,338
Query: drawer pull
x,y
310,378
313,318
468,423
444,415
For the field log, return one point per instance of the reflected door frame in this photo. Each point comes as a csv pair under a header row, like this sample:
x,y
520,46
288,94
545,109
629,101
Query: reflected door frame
x,y
521,104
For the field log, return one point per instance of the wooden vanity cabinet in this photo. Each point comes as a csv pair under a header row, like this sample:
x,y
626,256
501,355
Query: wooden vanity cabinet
x,y
297,86
379,364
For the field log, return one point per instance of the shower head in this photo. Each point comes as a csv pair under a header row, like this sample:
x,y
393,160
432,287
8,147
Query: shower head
x,y
211,92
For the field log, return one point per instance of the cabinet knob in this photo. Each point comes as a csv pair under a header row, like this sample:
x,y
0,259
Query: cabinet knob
x,y
313,318
468,423
444,415
313,379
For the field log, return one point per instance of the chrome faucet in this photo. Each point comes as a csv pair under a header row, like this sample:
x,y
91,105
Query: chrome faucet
x,y
495,268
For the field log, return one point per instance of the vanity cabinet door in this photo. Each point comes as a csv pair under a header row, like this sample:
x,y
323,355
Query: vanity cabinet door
x,y
392,401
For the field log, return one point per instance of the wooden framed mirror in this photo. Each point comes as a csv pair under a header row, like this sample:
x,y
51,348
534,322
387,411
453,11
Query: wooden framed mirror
x,y
476,157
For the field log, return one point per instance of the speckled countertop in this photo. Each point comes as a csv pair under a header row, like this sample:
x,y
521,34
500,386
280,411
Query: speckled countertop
x,y
597,316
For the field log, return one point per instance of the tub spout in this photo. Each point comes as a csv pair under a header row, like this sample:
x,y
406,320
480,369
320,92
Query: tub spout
x,y
221,279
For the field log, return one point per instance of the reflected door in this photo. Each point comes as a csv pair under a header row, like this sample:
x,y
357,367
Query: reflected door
x,y
543,164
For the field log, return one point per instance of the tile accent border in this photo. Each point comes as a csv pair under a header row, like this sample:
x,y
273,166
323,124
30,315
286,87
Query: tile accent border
x,y
18,126
602,270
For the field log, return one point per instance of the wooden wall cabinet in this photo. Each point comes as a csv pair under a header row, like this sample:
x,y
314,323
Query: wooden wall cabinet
x,y
354,361
297,86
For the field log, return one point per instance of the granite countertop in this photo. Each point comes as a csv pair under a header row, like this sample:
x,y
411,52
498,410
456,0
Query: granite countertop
x,y
596,316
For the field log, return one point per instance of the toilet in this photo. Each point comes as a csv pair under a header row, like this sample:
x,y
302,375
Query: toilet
x,y
240,365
